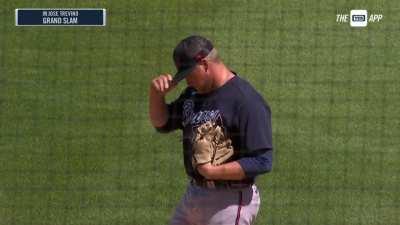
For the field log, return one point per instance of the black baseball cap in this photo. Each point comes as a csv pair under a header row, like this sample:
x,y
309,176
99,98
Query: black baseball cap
x,y
188,53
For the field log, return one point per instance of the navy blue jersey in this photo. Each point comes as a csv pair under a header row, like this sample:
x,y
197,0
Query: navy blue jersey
x,y
242,113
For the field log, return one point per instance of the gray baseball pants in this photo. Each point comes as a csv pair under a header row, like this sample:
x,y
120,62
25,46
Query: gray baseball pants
x,y
204,206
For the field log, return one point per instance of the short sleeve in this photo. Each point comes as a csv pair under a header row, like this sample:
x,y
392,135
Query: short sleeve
x,y
175,113
174,119
255,126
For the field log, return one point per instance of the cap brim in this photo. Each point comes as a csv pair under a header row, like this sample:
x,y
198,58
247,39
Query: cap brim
x,y
180,75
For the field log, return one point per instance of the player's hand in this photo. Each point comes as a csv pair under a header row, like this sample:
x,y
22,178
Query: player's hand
x,y
162,84
206,170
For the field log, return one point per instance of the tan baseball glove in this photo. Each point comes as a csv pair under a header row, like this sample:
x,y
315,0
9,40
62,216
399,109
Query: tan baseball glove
x,y
211,145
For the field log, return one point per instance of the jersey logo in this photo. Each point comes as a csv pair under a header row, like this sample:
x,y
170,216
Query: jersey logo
x,y
188,106
190,117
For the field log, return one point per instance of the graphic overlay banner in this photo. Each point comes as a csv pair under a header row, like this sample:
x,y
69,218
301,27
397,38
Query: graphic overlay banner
x,y
60,17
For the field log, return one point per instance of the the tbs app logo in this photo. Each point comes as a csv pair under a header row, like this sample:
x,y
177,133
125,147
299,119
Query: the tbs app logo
x,y
358,18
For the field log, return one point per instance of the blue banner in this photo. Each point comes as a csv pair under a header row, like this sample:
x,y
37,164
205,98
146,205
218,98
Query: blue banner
x,y
60,17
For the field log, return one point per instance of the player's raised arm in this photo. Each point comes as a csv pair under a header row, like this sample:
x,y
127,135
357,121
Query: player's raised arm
x,y
158,111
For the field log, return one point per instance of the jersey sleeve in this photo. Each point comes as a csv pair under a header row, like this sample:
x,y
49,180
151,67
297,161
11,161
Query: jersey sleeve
x,y
255,128
256,138
258,164
174,121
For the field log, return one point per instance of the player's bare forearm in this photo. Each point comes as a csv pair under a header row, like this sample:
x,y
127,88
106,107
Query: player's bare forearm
x,y
227,171
158,110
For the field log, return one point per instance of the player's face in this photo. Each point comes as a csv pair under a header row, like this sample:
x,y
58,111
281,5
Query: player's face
x,y
199,78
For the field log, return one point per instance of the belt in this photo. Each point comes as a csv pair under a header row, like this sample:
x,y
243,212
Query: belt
x,y
211,184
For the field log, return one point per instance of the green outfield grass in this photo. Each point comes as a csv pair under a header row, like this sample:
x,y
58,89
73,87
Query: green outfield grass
x,y
76,145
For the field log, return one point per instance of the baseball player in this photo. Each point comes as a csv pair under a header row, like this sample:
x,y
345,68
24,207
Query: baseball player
x,y
227,140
